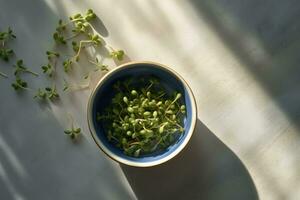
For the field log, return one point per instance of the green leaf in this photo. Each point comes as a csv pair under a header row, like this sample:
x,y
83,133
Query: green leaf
x,y
19,84
67,65
41,94
119,54
66,85
6,53
77,130
67,132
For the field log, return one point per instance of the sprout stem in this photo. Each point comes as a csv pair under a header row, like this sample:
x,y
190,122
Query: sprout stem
x,y
3,75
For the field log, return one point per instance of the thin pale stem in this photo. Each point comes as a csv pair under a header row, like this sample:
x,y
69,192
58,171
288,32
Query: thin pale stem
x,y
175,123
92,27
97,64
25,88
149,86
155,146
94,31
3,75
160,96
113,137
31,72
135,143
146,128
171,103
73,20
80,47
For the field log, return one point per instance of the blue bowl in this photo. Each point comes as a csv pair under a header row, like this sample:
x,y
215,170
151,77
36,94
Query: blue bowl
x,y
102,94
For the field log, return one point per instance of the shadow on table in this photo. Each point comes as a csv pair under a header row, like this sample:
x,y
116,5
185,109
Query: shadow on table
x,y
267,45
205,169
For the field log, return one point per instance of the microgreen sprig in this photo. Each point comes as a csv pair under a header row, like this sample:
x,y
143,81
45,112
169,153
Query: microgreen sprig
x,y
52,54
41,94
19,84
98,65
73,132
81,21
80,25
67,64
50,68
117,54
93,40
6,35
59,38
47,93
6,53
79,47
66,85
52,93
20,68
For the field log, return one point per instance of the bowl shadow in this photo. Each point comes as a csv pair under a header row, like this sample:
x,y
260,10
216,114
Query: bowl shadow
x,y
205,169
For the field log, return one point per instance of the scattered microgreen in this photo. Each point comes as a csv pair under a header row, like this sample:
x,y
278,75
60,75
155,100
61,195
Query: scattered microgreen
x,y
19,84
41,94
81,21
61,27
5,52
6,35
59,38
52,93
80,25
48,70
94,40
142,119
73,132
75,46
52,54
118,54
67,65
77,25
49,93
66,85
20,68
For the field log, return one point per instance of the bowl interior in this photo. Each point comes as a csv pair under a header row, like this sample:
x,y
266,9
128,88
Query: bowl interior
x,y
105,92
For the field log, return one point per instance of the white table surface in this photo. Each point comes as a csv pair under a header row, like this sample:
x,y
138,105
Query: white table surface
x,y
241,59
